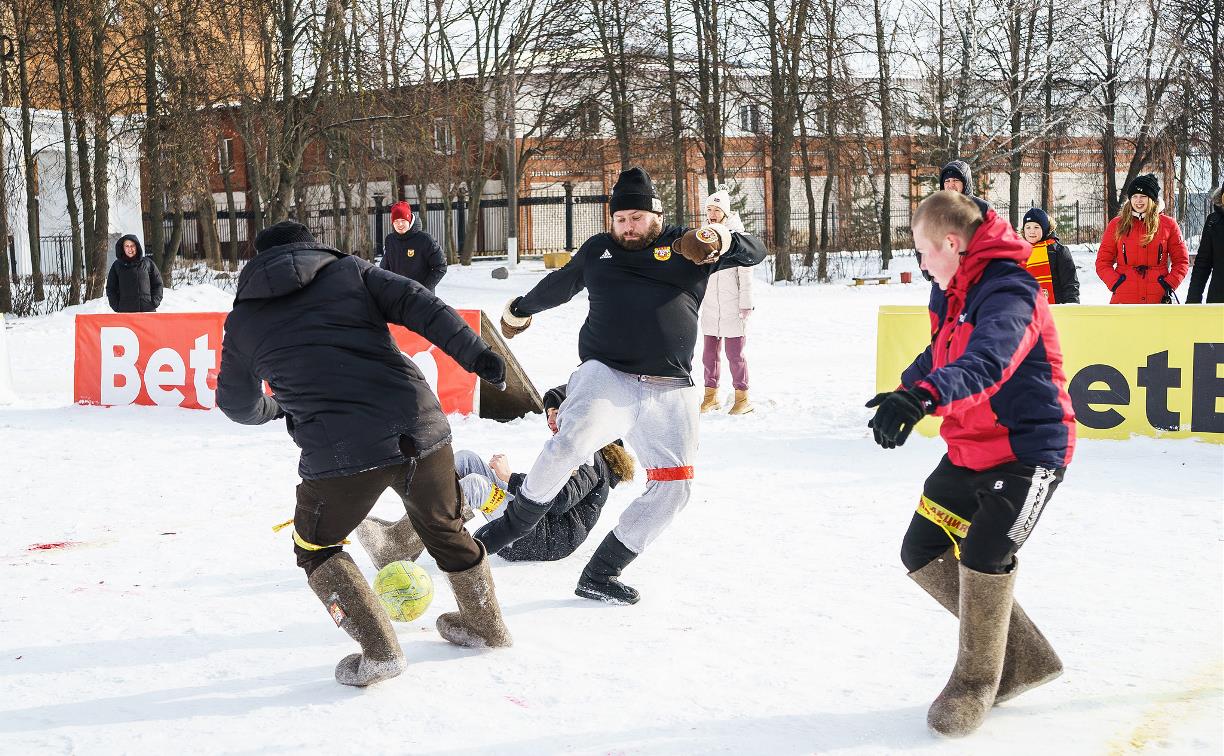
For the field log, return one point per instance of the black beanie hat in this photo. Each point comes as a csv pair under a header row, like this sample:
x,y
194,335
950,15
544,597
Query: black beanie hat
x,y
1038,216
634,191
957,169
285,232
1147,185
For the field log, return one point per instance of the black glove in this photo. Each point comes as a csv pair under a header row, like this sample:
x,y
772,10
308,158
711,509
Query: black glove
x,y
1118,283
897,412
491,368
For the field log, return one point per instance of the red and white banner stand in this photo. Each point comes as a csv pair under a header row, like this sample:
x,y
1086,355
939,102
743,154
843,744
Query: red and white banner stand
x,y
171,359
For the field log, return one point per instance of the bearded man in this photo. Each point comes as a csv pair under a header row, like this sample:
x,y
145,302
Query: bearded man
x,y
645,282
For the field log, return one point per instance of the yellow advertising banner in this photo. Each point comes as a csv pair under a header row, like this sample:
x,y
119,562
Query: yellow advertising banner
x,y
1151,370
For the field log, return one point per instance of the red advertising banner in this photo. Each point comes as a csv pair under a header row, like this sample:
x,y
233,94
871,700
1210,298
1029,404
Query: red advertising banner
x,y
171,359
167,359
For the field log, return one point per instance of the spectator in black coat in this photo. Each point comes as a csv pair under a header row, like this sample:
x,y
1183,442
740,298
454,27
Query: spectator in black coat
x,y
1051,262
1209,260
411,252
312,322
134,283
571,515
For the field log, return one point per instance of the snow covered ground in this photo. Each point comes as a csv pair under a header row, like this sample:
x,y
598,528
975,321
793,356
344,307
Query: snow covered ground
x,y
776,616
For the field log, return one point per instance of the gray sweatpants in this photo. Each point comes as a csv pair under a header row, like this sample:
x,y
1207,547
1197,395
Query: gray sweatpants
x,y
657,417
482,489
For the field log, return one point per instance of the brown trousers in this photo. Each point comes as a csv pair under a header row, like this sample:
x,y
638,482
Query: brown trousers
x,y
328,510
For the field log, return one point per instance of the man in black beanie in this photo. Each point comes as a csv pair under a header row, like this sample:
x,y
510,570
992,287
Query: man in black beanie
x,y
312,322
645,282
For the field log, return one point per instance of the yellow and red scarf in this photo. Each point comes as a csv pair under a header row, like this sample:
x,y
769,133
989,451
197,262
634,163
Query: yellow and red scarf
x,y
1039,265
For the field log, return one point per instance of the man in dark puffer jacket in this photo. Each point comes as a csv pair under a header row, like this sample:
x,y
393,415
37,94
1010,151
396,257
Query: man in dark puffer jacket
x,y
312,322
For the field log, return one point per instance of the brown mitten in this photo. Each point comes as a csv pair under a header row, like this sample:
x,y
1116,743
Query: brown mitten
x,y
512,325
704,245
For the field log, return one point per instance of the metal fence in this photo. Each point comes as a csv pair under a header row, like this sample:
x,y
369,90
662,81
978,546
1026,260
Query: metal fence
x,y
556,219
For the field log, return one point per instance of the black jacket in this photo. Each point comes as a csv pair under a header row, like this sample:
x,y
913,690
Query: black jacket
x,y
312,322
414,255
565,523
1209,262
643,303
133,285
1063,276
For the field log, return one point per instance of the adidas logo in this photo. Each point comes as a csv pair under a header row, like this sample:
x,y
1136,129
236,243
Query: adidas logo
x,y
607,255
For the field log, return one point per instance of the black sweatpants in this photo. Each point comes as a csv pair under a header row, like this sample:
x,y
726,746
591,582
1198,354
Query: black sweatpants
x,y
328,510
986,515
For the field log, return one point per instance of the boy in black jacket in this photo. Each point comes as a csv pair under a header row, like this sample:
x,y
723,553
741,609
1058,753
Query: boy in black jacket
x,y
312,322
411,252
1051,262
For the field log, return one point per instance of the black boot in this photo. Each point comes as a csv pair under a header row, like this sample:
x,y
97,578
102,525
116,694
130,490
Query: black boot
x,y
521,517
599,577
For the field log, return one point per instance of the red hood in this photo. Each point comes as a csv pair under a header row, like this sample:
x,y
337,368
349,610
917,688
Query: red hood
x,y
995,239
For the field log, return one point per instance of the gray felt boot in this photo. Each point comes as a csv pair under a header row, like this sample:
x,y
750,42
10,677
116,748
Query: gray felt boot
x,y
985,609
478,623
1029,660
356,610
388,542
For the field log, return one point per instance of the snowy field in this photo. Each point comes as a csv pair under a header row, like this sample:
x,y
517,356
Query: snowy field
x,y
776,616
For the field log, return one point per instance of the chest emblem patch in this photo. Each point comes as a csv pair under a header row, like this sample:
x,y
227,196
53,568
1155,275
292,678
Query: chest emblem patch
x,y
412,253
662,253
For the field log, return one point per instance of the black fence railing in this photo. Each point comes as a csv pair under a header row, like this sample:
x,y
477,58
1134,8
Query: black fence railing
x,y
555,219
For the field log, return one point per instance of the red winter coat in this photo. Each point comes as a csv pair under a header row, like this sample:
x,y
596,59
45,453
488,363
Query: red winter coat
x,y
1132,269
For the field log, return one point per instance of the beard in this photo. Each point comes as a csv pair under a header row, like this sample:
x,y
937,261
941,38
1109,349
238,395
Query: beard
x,y
644,241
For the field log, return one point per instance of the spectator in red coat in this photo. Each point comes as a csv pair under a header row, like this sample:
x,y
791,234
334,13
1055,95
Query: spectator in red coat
x,y
1143,257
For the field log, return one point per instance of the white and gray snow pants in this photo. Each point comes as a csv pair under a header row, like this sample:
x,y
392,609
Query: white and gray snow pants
x,y
657,418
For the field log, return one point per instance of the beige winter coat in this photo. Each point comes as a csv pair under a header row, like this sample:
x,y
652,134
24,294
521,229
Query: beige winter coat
x,y
729,291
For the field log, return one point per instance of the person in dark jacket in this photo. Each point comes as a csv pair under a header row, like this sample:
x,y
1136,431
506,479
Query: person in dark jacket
x,y
572,513
644,283
312,322
491,488
134,283
993,372
1209,261
1050,263
411,252
957,176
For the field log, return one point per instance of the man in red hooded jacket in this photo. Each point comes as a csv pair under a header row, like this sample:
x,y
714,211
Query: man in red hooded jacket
x,y
993,373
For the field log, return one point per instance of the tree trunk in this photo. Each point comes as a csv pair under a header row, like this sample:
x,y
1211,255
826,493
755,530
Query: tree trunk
x,y
79,113
70,193
886,136
6,290
32,179
227,179
676,125
156,242
206,214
